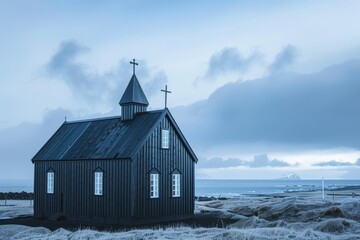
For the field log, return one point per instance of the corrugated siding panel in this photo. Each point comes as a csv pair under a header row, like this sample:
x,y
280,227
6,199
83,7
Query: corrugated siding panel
x,y
165,161
75,181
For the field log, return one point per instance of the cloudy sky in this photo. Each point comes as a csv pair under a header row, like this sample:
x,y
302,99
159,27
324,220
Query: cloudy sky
x,y
260,88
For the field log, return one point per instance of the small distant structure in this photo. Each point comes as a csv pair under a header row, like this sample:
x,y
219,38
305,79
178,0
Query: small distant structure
x,y
119,170
323,190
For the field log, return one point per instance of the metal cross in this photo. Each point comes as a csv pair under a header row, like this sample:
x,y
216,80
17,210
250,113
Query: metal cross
x,y
134,63
166,92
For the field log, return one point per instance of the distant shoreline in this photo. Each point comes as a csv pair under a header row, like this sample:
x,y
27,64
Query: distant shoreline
x,y
214,189
340,191
16,196
208,197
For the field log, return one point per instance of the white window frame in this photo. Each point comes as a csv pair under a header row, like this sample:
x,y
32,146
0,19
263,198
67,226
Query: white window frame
x,y
98,183
50,182
154,185
176,179
165,138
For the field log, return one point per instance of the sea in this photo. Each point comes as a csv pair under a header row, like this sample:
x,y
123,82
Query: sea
x,y
17,185
234,188
228,188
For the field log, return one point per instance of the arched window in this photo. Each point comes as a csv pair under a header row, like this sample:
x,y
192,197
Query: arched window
x,y
50,181
176,183
154,183
98,182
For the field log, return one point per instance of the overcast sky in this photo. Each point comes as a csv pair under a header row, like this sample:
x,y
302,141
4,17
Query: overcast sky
x,y
260,88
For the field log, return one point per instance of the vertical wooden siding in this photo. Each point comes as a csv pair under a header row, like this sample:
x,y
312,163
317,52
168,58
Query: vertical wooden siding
x,y
128,111
75,180
165,161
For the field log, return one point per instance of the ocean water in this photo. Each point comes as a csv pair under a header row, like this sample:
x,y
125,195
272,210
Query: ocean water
x,y
233,188
17,185
226,188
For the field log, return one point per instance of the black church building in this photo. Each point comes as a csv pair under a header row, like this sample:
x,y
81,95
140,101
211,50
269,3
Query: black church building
x,y
137,167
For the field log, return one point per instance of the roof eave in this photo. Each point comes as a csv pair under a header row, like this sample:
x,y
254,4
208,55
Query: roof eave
x,y
33,158
91,159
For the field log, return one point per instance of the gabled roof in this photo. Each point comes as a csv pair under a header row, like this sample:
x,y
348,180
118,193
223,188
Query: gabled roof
x,y
134,93
106,138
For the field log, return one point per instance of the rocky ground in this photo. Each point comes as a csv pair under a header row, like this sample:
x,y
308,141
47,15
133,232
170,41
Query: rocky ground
x,y
278,216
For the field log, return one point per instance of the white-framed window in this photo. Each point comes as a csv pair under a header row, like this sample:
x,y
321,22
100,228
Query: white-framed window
x,y
154,185
165,138
98,183
50,182
176,185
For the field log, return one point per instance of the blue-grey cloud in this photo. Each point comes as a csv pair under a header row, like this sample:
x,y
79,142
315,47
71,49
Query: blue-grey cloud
x,y
19,144
358,162
333,163
77,76
258,161
95,86
303,111
263,161
230,60
284,58
218,162
350,173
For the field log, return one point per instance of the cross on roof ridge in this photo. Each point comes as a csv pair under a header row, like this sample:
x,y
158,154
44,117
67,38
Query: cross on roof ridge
x,y
134,63
166,92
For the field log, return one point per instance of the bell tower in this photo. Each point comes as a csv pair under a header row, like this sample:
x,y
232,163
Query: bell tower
x,y
133,100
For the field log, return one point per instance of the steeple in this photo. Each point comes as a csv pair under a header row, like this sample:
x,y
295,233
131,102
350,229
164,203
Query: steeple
x,y
133,99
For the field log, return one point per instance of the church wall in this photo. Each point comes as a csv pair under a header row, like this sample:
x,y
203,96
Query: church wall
x,y
74,190
152,156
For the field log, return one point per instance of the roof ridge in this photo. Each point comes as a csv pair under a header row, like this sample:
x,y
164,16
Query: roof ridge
x,y
153,111
93,119
110,117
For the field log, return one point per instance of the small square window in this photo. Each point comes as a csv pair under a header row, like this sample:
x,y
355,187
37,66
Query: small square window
x,y
165,139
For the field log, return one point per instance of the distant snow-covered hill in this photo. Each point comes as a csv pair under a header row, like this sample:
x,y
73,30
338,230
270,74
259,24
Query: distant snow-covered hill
x,y
290,176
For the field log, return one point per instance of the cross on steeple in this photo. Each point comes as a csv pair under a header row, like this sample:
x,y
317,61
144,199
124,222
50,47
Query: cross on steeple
x,y
134,63
166,92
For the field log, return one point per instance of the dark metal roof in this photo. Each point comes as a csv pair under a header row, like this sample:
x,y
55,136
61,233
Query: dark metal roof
x,y
107,138
134,93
